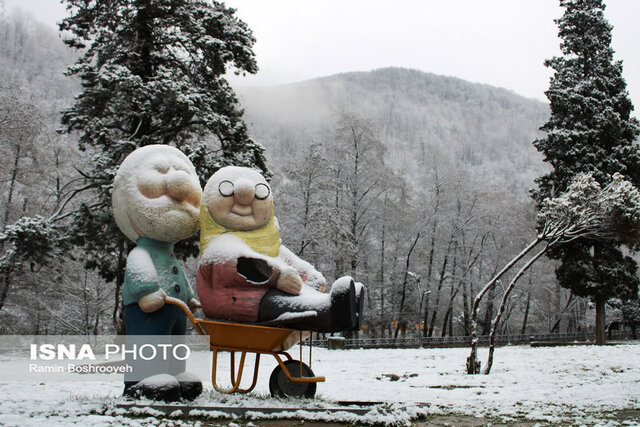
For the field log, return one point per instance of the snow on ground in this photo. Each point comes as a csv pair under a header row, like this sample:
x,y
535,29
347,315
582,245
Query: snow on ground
x,y
577,385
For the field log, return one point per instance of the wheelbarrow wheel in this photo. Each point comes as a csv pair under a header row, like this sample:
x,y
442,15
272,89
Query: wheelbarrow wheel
x,y
281,386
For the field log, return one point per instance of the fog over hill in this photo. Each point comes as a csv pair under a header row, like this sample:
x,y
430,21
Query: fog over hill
x,y
422,118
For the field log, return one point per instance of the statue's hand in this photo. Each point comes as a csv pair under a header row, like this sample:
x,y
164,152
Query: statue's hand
x,y
194,304
289,281
153,301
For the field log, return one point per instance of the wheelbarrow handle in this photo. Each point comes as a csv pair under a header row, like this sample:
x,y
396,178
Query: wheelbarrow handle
x,y
187,311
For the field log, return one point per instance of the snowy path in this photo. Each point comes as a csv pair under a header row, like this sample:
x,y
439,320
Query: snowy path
x,y
553,384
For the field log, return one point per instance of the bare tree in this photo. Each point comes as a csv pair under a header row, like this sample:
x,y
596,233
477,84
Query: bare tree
x,y
20,124
585,209
403,294
361,178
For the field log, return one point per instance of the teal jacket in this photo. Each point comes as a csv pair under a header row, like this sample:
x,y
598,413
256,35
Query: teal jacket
x,y
152,265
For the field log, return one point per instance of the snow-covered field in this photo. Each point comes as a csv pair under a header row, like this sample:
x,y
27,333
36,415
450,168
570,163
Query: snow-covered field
x,y
565,385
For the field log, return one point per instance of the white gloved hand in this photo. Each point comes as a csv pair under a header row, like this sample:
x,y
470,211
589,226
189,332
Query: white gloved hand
x,y
316,280
194,304
289,281
153,301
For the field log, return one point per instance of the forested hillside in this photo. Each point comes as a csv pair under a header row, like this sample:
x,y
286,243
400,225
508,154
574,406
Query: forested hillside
x,y
414,183
37,175
33,57
421,118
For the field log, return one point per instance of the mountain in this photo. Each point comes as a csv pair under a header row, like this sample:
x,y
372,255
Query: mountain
x,y
423,119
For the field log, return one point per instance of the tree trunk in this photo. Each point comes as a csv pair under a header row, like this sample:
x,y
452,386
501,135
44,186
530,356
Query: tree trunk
x,y
143,68
488,313
336,235
426,315
12,183
355,197
506,327
405,279
443,272
526,312
420,326
36,328
601,337
465,308
382,246
447,324
452,294
307,208
400,325
432,245
6,282
466,278
473,364
6,279
505,298
555,328
118,313
87,305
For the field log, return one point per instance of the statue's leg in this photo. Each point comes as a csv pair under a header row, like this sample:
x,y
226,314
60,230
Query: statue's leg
x,y
308,311
334,312
139,324
178,331
190,384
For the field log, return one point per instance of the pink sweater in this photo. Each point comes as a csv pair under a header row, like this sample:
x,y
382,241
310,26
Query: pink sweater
x,y
225,294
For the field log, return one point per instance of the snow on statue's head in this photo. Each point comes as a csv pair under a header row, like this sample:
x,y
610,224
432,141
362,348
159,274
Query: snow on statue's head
x,y
239,199
156,194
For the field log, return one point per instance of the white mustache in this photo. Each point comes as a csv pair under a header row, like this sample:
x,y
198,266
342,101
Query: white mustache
x,y
165,201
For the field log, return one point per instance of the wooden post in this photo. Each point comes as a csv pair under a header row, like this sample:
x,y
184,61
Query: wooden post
x,y
335,343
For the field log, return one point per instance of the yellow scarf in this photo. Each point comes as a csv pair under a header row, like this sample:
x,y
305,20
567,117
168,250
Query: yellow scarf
x,y
265,240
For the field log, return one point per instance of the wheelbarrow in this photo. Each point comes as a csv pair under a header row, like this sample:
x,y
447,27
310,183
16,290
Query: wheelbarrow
x,y
290,378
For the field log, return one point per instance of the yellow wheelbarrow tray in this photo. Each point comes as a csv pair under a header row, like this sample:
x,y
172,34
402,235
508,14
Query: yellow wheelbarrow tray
x,y
291,378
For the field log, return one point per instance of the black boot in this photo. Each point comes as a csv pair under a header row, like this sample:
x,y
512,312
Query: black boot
x,y
156,387
359,305
343,305
190,385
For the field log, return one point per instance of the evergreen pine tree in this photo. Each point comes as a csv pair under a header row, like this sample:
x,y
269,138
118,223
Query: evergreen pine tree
x,y
590,130
152,73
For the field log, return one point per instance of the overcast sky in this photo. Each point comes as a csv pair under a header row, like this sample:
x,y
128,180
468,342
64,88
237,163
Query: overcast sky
x,y
499,42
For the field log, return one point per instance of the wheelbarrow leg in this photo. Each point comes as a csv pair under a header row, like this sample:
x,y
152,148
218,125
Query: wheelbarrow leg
x,y
233,367
214,369
235,382
255,376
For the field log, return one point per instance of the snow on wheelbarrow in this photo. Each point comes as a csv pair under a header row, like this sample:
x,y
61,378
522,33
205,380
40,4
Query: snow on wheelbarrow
x,y
290,378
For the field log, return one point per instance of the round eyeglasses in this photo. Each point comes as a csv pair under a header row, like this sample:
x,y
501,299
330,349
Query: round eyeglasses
x,y
261,190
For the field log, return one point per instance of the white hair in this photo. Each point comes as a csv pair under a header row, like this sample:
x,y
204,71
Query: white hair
x,y
161,218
